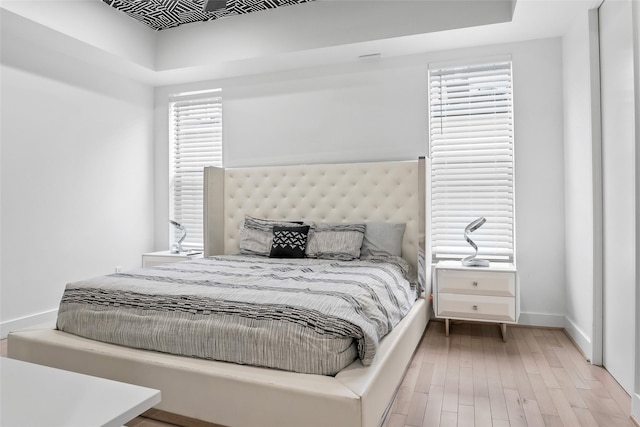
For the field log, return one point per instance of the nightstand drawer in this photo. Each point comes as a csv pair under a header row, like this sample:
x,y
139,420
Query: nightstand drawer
x,y
477,282
478,307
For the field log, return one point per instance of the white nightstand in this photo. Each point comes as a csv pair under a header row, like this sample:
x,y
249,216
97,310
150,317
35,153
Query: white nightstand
x,y
165,257
484,294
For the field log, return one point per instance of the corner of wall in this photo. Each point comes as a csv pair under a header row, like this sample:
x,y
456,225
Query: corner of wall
x,y
544,320
579,338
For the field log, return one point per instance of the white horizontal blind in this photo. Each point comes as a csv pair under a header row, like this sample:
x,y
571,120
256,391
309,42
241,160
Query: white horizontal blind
x,y
471,151
196,142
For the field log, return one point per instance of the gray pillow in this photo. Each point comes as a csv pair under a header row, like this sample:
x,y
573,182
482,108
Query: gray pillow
x,y
256,234
335,241
383,238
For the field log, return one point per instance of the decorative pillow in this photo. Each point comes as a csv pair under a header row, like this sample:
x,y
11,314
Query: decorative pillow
x,y
335,241
256,235
289,242
383,238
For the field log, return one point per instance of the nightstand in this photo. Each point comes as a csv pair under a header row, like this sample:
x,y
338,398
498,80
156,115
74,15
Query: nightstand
x,y
484,294
165,257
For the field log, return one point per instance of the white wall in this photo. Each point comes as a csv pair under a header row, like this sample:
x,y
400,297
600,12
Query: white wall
x,y
76,175
377,110
635,396
619,172
579,182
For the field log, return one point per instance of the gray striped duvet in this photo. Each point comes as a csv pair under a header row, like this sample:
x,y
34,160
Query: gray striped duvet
x,y
302,315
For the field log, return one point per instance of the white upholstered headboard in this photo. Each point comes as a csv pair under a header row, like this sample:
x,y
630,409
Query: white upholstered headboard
x,y
355,192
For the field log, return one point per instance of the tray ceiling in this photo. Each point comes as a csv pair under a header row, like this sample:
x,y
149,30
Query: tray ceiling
x,y
163,14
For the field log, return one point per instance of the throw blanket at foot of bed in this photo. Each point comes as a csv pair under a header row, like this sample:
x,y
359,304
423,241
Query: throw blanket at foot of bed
x,y
303,315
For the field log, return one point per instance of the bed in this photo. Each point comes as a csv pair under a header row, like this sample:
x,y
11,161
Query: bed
x,y
230,394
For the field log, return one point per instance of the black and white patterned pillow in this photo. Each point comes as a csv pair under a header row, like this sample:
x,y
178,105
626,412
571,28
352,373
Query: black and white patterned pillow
x,y
289,242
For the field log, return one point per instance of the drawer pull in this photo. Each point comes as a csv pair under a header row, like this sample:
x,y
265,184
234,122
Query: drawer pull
x,y
475,283
475,307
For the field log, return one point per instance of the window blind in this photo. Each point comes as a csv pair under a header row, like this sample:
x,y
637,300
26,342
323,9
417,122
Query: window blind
x,y
196,141
471,154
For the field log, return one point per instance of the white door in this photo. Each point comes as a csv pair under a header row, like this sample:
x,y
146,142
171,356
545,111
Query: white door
x,y
618,170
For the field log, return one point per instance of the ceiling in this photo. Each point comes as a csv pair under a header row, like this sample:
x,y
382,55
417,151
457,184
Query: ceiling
x,y
163,14
320,33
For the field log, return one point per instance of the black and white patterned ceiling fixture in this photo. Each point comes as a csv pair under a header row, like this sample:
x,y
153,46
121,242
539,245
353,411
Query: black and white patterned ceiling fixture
x,y
163,14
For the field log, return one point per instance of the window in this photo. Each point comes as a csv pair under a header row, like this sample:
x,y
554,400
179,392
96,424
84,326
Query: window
x,y
471,154
195,134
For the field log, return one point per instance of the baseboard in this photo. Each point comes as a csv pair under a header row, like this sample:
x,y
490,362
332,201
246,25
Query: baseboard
x,y
579,338
46,319
635,409
541,319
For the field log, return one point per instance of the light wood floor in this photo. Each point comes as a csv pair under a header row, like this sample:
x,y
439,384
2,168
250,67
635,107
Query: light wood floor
x,y
473,379
537,378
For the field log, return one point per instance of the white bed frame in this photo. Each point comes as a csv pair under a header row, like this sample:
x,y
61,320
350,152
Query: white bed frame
x,y
235,395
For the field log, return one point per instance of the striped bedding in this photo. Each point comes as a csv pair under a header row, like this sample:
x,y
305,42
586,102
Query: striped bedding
x,y
303,315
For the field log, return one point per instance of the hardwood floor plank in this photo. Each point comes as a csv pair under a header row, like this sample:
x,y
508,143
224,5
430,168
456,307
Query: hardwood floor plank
x,y
552,420
545,371
494,383
438,339
465,347
548,343
449,419
440,365
579,360
530,337
407,387
416,409
569,390
514,408
570,368
465,416
481,404
396,420
482,411
480,387
617,393
565,411
598,389
605,410
423,382
528,362
585,417
532,413
451,386
507,376
433,412
402,399
465,386
525,391
545,402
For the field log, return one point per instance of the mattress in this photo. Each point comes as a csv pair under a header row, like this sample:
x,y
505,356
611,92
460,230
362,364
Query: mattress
x,y
301,315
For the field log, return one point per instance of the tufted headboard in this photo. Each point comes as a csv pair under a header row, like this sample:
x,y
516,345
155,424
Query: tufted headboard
x,y
356,192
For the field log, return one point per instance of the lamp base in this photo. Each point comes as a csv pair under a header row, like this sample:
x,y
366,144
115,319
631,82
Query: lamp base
x,y
474,262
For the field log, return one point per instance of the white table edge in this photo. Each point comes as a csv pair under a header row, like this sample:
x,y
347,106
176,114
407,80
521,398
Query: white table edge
x,y
147,397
